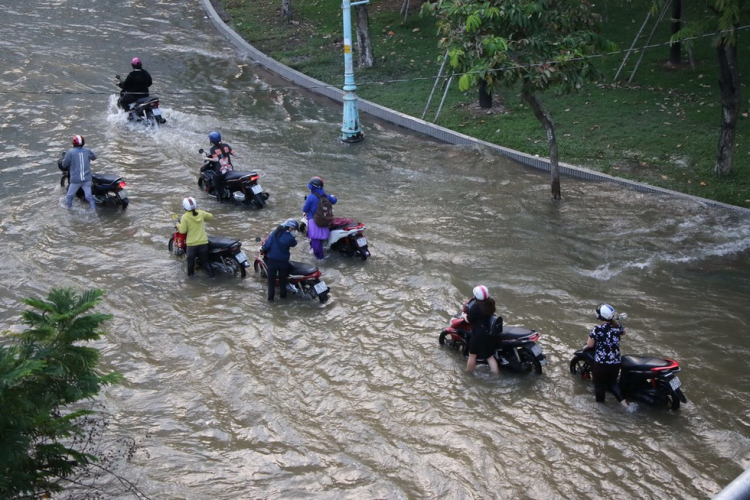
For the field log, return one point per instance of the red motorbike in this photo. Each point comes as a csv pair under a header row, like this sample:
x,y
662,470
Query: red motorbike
x,y
516,348
303,280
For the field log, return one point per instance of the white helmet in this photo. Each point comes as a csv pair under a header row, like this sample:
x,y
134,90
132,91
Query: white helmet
x,y
481,292
605,312
189,204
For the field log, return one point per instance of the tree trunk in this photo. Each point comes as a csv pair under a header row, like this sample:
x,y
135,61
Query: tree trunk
x,y
729,86
365,57
675,49
485,98
286,10
544,118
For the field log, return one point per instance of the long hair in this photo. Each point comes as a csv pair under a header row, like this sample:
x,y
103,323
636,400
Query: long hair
x,y
488,306
279,230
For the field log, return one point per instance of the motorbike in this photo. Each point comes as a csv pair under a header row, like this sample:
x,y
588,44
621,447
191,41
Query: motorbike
x,y
303,280
225,255
647,379
346,236
516,348
108,189
145,110
242,187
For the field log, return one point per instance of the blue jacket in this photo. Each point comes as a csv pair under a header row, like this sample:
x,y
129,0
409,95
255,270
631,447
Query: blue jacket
x,y
311,203
277,247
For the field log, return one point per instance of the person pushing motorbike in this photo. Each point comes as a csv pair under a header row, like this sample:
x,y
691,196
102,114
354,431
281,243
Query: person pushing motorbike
x,y
193,226
135,85
318,210
479,314
78,160
277,251
605,339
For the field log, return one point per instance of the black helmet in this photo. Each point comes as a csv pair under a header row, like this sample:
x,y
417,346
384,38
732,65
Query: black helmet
x,y
315,182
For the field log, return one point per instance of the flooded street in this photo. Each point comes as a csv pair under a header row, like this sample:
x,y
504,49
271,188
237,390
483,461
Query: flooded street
x,y
234,397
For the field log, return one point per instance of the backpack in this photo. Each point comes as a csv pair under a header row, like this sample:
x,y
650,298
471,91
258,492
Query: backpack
x,y
324,213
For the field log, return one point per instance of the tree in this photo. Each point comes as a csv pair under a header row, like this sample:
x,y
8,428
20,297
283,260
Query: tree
x,y
365,56
537,44
43,371
286,10
723,17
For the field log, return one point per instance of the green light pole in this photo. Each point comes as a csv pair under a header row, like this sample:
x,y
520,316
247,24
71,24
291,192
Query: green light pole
x,y
350,129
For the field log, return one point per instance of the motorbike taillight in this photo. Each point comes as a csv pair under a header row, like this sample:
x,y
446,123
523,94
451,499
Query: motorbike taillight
x,y
535,337
154,104
254,178
671,366
121,185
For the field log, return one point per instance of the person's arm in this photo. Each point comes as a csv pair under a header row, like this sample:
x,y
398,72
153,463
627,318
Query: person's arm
x,y
294,240
332,199
149,81
208,216
92,155
182,227
308,204
590,343
66,159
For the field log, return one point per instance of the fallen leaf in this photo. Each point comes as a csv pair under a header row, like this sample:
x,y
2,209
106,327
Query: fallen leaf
x,y
664,177
415,30
704,183
667,123
679,145
566,135
391,33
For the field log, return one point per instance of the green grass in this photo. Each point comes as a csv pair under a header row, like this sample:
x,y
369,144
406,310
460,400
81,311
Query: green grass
x,y
662,129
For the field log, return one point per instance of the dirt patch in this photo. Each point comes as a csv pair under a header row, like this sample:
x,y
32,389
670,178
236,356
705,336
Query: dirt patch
x,y
475,110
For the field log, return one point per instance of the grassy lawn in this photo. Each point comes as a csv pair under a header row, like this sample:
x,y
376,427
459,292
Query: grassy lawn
x,y
662,128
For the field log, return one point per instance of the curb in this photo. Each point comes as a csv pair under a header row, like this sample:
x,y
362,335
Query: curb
x,y
432,130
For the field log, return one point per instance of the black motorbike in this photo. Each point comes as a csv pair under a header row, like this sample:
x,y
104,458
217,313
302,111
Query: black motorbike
x,y
225,255
145,110
242,187
647,379
108,189
516,348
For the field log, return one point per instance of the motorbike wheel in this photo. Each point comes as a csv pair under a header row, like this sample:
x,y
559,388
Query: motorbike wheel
x,y
231,263
170,245
530,361
125,202
64,181
671,399
579,366
259,201
259,270
441,338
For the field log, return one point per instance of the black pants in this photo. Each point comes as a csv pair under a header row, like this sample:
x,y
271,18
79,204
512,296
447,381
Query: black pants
x,y
127,99
280,268
200,251
605,379
219,184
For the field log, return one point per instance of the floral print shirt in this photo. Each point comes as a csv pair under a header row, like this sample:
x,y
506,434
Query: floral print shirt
x,y
607,338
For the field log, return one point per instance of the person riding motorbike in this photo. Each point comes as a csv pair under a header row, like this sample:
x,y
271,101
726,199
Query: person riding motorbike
x,y
135,85
220,154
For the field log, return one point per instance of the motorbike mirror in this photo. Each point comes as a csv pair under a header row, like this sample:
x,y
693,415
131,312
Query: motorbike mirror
x,y
257,238
117,77
622,316
175,216
200,151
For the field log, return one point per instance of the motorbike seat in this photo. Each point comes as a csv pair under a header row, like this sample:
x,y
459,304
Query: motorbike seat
x,y
105,178
232,175
301,268
632,362
343,222
221,242
514,333
144,100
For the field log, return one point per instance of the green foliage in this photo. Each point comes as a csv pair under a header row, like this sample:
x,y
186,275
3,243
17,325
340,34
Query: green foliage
x,y
42,371
539,43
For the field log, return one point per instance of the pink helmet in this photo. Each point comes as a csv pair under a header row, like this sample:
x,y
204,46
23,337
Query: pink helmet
x,y
136,62
481,292
78,141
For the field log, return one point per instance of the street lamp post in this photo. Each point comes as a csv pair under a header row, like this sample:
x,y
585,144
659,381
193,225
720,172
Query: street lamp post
x,y
350,129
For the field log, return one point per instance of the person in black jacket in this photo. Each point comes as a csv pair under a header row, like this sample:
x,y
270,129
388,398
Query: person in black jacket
x,y
481,344
135,86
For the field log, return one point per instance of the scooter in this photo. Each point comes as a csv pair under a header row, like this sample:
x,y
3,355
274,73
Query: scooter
x,y
648,379
225,255
145,110
346,236
516,348
108,189
303,280
242,187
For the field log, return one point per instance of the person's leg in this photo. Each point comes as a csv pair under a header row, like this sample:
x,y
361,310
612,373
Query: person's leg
x,y
202,251
72,190
283,273
191,253
493,364
87,193
317,246
272,270
471,363
598,374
